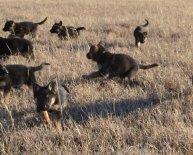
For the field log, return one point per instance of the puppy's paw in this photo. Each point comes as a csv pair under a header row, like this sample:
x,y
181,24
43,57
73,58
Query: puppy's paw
x,y
85,77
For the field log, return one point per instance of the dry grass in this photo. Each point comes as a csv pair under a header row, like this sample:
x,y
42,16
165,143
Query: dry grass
x,y
106,118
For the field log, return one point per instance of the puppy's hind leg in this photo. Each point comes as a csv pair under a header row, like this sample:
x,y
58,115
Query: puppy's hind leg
x,y
6,94
128,79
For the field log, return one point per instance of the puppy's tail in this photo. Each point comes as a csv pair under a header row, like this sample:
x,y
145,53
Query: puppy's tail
x,y
147,66
146,24
43,21
38,68
80,28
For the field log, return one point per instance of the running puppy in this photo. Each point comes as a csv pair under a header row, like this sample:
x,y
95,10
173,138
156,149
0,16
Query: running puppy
x,y
22,28
15,45
140,34
114,65
16,76
51,98
66,32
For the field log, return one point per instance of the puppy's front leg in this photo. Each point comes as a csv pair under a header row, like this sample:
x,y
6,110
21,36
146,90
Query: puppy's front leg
x,y
58,121
45,117
93,75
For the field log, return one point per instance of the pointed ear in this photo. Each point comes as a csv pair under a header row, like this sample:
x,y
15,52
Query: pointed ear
x,y
90,44
145,33
52,86
60,23
101,44
66,88
36,89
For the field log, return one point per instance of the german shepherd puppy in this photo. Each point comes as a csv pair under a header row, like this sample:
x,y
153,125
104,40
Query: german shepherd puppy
x,y
51,98
12,46
66,32
140,34
16,76
22,28
114,65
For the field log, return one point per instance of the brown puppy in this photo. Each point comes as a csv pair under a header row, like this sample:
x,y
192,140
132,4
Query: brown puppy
x,y
22,28
140,34
114,65
66,32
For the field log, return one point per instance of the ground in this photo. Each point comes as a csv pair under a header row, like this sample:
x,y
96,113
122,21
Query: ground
x,y
154,117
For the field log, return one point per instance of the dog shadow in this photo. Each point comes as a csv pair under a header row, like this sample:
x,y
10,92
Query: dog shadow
x,y
81,114
104,109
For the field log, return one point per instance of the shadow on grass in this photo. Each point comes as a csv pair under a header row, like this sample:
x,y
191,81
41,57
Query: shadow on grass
x,y
122,108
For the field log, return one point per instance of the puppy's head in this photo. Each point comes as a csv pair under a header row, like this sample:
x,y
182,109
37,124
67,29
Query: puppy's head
x,y
142,37
8,25
3,71
95,51
56,27
3,75
45,96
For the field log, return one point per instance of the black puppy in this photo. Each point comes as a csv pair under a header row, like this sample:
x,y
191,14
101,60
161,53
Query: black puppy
x,y
140,34
22,28
66,32
114,65
51,98
12,46
16,76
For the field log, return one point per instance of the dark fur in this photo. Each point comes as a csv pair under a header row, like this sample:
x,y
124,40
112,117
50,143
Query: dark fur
x,y
66,32
12,46
47,100
140,34
23,28
17,75
114,65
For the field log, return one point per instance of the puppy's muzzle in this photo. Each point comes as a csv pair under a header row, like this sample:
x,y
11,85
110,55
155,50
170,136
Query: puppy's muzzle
x,y
88,56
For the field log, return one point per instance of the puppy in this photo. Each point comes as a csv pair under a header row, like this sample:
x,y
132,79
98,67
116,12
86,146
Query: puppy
x,y
114,65
51,98
16,76
66,32
23,28
140,34
15,45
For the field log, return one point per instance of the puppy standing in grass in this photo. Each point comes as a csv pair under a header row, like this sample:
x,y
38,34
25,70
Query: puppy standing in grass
x,y
114,65
22,28
66,32
15,45
140,34
51,98
16,76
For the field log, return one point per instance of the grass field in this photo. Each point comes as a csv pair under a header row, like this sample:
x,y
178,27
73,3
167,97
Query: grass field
x,y
106,118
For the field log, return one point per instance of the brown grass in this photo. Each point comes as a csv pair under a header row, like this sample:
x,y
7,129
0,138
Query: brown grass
x,y
106,118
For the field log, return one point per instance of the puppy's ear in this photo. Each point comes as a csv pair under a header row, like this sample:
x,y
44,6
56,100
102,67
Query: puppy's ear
x,y
66,88
36,89
101,44
52,86
145,33
60,23
90,44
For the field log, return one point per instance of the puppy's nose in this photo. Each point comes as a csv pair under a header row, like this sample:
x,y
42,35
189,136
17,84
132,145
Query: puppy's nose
x,y
88,56
46,106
